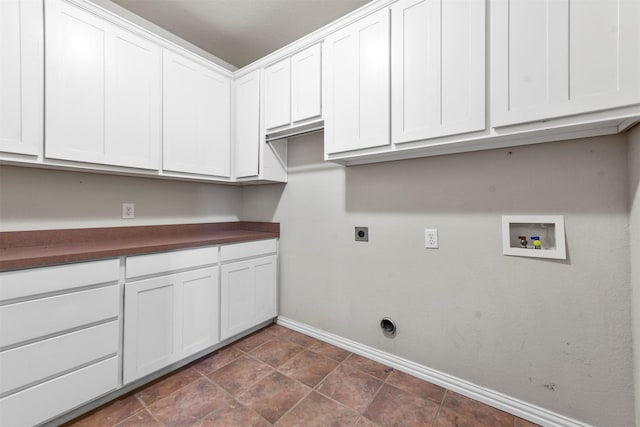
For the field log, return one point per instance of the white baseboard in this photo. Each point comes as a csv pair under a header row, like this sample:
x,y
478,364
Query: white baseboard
x,y
514,406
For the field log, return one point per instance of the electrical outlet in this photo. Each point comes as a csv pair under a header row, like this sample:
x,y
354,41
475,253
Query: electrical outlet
x,y
128,210
362,234
431,238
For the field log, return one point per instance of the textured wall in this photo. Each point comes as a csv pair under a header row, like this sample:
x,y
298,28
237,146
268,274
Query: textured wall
x,y
634,215
37,199
553,333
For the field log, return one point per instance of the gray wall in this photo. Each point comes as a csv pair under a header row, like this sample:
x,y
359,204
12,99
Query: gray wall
x,y
634,215
553,333
556,334
38,199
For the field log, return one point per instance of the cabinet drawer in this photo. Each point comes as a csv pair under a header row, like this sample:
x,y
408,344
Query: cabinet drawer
x,y
34,362
248,249
145,265
24,283
37,404
37,318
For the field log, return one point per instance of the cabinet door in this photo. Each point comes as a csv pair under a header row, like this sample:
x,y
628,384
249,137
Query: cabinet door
x,y
266,288
306,101
169,318
103,91
76,83
196,125
151,325
247,294
200,309
133,101
561,57
277,94
21,76
356,85
437,71
247,125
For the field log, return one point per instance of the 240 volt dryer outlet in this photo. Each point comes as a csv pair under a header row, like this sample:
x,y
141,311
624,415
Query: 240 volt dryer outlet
x,y
362,234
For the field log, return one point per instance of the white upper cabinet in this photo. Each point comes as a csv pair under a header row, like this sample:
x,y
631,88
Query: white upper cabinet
x,y
306,84
247,125
103,91
557,58
196,117
277,94
437,68
21,76
292,92
355,86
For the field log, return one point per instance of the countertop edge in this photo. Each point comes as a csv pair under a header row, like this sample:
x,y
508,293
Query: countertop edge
x,y
75,251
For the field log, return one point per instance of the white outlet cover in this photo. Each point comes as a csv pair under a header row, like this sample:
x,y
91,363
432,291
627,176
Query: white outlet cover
x,y
431,238
128,210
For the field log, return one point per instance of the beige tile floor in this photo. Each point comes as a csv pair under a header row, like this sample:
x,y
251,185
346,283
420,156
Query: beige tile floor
x,y
280,377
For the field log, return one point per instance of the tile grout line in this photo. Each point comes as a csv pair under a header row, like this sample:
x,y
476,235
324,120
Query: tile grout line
x,y
350,361
233,398
435,418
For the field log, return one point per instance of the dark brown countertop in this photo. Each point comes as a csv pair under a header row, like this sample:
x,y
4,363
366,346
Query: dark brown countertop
x,y
24,249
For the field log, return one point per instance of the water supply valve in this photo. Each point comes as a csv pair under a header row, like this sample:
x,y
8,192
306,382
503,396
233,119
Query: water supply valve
x,y
537,244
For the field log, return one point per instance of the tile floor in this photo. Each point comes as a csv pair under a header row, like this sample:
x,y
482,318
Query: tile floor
x,y
280,377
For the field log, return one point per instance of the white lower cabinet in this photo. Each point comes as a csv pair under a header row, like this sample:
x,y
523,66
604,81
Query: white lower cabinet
x,y
248,288
59,339
170,317
61,327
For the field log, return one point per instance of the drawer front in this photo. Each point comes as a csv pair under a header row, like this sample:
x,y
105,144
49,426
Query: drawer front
x,y
49,399
248,249
35,362
145,265
25,283
37,318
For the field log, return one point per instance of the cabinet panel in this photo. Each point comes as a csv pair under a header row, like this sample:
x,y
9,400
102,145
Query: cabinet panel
x,y
21,76
103,91
24,365
215,117
133,101
248,292
168,318
248,249
50,315
76,80
266,288
437,68
356,85
247,125
200,303
31,282
196,125
37,404
164,262
277,94
150,326
306,84
552,59
237,297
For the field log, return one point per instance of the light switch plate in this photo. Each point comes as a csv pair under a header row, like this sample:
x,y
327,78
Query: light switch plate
x,y
431,238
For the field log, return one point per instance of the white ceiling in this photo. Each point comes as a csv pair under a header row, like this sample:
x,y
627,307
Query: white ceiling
x,y
240,31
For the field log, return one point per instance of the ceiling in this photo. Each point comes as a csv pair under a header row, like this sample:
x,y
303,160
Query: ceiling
x,y
240,31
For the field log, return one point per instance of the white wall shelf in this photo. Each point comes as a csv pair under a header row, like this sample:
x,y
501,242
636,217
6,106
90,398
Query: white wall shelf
x,y
537,236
